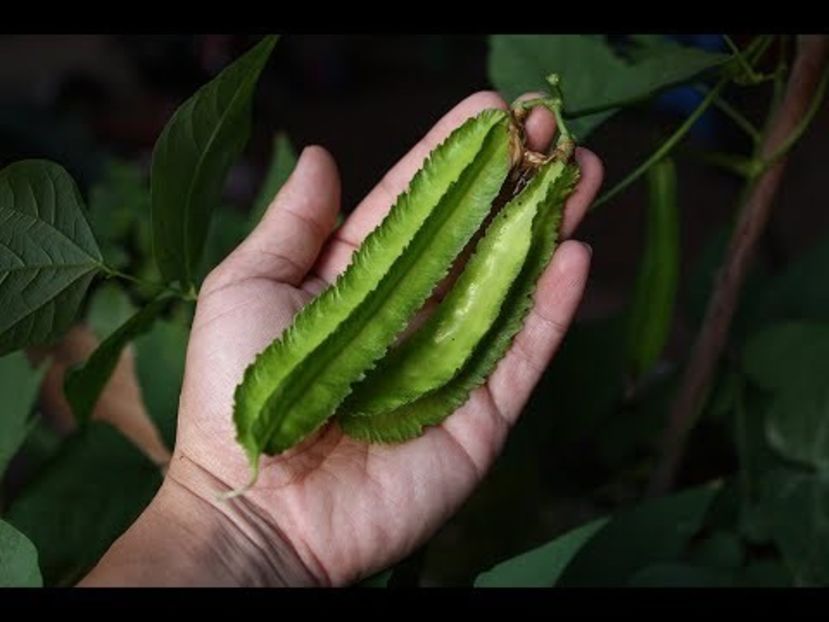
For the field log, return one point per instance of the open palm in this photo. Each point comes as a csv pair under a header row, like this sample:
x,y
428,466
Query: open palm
x,y
335,509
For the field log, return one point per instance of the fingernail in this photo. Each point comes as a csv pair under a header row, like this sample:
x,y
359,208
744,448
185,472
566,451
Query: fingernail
x,y
588,248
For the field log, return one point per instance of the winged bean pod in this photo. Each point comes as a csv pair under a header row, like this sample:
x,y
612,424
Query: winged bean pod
x,y
296,384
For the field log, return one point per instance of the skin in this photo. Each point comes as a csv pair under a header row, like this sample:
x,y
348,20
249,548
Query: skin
x,y
332,510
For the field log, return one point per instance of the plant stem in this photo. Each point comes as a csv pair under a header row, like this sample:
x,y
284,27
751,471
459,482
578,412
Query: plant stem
x,y
554,104
732,113
779,75
760,192
755,53
741,60
741,166
189,295
113,272
798,132
666,147
755,50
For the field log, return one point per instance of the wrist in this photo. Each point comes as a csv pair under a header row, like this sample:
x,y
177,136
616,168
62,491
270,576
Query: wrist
x,y
188,537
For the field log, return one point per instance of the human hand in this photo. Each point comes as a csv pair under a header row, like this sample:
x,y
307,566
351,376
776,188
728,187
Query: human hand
x,y
332,510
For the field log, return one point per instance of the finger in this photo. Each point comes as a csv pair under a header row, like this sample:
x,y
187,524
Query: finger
x,y
590,180
558,294
371,210
284,245
540,125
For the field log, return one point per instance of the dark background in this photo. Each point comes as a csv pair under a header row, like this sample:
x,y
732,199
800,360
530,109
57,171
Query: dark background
x,y
79,99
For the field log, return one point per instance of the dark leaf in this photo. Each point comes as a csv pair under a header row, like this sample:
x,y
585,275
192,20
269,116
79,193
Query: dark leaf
x,y
159,363
784,354
117,200
722,549
592,75
18,559
48,254
656,531
793,294
765,573
680,575
192,158
228,228
543,566
87,496
797,507
797,425
109,307
84,385
381,579
19,385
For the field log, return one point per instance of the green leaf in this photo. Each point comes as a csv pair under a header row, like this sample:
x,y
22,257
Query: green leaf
x,y
656,531
680,575
792,294
653,299
765,573
117,200
282,164
797,425
159,364
18,559
109,307
48,254
83,385
645,45
722,549
41,445
228,228
543,566
19,385
381,579
756,457
788,353
87,496
797,506
192,158
789,359
593,76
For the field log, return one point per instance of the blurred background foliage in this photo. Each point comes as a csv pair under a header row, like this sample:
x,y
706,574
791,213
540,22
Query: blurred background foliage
x,y
563,504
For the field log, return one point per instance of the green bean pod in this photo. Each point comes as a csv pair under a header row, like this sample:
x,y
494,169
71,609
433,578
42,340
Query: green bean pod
x,y
408,421
297,383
